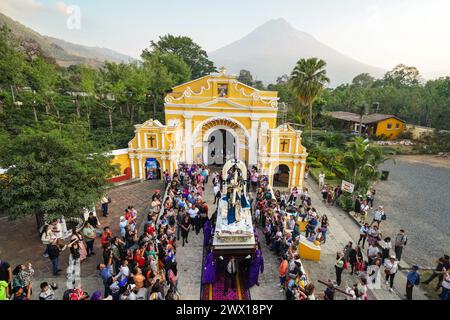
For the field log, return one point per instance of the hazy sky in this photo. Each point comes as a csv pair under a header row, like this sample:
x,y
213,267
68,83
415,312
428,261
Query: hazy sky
x,y
382,33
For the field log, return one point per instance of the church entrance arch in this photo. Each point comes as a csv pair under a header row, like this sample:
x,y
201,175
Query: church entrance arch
x,y
221,144
281,176
220,140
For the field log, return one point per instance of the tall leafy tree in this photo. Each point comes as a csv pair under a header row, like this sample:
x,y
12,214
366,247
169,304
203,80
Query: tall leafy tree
x,y
402,75
308,80
164,71
42,77
245,77
51,172
186,49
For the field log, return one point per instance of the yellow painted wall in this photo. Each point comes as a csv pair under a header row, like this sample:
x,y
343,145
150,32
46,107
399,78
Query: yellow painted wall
x,y
123,160
205,89
382,128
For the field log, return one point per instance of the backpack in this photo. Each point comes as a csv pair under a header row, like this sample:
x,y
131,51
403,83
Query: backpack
x,y
67,293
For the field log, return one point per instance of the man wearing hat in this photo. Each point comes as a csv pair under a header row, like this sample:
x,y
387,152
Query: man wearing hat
x,y
412,279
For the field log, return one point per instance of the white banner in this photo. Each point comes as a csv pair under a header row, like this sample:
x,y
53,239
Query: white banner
x,y
347,186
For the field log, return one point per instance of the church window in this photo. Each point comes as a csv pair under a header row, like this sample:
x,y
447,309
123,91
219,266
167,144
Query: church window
x,y
222,90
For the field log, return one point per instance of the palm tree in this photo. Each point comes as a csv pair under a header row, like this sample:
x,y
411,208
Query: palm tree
x,y
308,80
362,110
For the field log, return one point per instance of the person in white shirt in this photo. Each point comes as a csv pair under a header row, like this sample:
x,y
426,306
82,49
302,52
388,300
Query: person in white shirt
x,y
47,292
378,216
372,252
390,269
364,210
374,275
363,233
291,222
124,271
193,214
321,180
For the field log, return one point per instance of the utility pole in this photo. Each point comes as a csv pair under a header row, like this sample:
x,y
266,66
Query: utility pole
x,y
282,113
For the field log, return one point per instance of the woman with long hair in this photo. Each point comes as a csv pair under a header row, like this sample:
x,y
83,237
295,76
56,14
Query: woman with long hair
x,y
22,278
82,247
47,238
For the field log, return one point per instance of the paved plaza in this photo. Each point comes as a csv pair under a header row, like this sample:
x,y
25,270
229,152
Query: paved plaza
x,y
416,197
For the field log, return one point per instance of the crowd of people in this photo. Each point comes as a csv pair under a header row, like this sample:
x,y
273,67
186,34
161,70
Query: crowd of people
x,y
134,264
276,214
381,260
140,264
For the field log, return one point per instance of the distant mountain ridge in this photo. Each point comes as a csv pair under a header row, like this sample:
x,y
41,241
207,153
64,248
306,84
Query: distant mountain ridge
x,y
65,53
272,50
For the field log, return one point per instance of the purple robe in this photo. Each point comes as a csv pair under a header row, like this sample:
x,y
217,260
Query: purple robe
x,y
255,231
256,266
209,269
206,233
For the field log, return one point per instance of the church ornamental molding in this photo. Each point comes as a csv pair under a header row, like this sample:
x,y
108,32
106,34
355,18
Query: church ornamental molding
x,y
188,93
199,127
256,95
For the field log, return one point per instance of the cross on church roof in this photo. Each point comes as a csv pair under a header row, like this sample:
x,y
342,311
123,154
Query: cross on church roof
x,y
222,70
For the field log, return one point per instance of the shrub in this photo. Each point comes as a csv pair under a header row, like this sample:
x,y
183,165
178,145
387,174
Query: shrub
x,y
316,164
346,202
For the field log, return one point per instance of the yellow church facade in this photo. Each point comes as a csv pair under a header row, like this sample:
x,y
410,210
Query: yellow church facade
x,y
210,120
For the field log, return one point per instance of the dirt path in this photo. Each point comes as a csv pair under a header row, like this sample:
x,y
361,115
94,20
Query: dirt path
x,y
428,159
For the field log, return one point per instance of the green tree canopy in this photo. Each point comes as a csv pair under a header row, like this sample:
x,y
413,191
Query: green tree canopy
x,y
51,172
245,77
187,50
402,75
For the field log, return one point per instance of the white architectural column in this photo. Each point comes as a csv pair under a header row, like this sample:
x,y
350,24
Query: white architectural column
x,y
270,173
140,164
133,169
297,145
294,175
163,160
188,138
138,133
302,173
253,143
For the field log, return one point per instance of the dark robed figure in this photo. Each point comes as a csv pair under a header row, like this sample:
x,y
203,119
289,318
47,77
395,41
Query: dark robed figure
x,y
209,271
256,266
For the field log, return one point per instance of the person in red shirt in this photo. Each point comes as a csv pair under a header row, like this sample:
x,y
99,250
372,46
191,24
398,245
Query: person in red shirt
x,y
150,229
106,237
139,257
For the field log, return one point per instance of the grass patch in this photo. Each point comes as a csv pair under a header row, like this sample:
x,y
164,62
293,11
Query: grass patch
x,y
314,173
429,289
